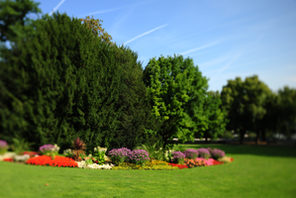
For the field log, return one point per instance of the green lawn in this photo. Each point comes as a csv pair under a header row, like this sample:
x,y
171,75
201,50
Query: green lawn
x,y
257,171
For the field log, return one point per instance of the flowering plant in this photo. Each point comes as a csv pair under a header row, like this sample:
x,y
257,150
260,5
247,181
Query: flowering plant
x,y
178,157
194,162
59,161
217,153
119,155
99,154
68,153
3,147
180,166
191,153
49,149
139,156
204,153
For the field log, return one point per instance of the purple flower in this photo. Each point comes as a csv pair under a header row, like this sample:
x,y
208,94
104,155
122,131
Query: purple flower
x,y
217,153
46,147
119,155
49,149
204,153
139,156
191,153
3,144
178,157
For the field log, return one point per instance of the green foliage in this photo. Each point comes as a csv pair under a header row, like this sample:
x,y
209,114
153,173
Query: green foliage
x,y
286,109
216,116
99,154
175,90
95,25
155,150
20,145
59,81
245,103
14,13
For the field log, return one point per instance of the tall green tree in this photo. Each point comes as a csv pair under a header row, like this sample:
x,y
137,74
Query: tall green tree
x,y
59,81
14,13
176,90
215,116
245,104
286,106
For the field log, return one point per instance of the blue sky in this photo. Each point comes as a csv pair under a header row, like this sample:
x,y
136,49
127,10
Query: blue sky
x,y
225,38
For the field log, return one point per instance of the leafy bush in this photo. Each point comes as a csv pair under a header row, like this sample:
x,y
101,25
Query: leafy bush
x,y
3,146
191,153
99,154
20,145
204,153
154,150
139,156
216,153
178,157
120,155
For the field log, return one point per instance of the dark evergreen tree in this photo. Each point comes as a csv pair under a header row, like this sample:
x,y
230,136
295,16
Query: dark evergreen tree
x,y
59,81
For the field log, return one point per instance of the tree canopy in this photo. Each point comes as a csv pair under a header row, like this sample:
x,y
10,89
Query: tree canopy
x,y
59,81
14,13
244,102
176,90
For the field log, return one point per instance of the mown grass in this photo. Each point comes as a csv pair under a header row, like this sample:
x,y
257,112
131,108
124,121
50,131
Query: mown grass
x,y
257,171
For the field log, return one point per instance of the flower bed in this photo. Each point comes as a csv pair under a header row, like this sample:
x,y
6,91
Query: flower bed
x,y
58,161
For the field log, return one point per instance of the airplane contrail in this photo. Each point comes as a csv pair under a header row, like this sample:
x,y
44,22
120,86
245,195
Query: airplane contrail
x,y
145,33
57,7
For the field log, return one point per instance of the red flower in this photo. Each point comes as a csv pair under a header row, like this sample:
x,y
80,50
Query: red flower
x,y
180,166
57,161
8,159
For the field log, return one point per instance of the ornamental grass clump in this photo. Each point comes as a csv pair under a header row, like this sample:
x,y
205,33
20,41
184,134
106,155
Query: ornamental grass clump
x,y
3,147
204,153
216,153
49,150
120,155
78,149
178,157
191,153
139,156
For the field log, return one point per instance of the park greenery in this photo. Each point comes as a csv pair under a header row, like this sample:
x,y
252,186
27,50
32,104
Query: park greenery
x,y
63,78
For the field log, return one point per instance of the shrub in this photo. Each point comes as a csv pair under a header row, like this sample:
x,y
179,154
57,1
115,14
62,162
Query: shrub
x,y
3,147
120,155
178,157
99,154
20,145
216,153
191,153
204,153
139,156
49,149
